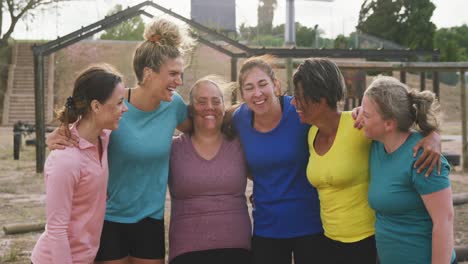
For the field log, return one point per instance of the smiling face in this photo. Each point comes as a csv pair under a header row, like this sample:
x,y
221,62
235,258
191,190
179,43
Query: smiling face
x,y
375,126
165,82
308,110
110,112
258,91
208,107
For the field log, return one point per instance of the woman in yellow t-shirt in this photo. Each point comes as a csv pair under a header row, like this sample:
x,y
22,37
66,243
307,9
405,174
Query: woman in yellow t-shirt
x,y
339,163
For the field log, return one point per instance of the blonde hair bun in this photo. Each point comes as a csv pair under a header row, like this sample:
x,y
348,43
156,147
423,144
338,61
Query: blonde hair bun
x,y
164,32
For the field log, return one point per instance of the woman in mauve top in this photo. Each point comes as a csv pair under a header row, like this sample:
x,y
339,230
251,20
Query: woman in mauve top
x,y
76,177
207,180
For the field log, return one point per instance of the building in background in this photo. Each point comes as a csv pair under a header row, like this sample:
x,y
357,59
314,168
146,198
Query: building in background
x,y
215,14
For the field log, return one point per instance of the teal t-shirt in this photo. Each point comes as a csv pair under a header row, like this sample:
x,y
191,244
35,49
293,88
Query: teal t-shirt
x,y
138,156
403,228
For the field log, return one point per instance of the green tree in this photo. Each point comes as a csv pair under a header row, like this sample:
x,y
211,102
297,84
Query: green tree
x,y
305,36
341,42
265,14
17,10
452,43
131,29
406,22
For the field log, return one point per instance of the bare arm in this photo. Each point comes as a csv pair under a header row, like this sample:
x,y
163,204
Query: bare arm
x,y
440,208
57,139
185,126
431,154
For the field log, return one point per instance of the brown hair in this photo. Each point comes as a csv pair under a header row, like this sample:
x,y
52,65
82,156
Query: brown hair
x,y
97,82
263,62
408,107
163,39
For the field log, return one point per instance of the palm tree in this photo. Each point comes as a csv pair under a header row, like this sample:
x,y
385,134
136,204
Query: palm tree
x,y
265,13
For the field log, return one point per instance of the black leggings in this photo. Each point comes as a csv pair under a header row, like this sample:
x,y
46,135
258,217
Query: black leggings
x,y
305,249
359,252
214,256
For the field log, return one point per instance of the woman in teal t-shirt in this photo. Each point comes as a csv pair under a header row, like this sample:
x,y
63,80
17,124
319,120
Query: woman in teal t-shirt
x,y
414,213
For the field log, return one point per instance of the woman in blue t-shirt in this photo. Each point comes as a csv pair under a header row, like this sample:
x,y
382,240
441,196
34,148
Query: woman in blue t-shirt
x,y
286,210
414,213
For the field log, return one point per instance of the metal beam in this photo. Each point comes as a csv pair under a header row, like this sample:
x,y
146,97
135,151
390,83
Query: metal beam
x,y
422,80
201,39
408,66
214,46
85,34
464,120
233,69
341,53
92,27
39,99
435,77
201,27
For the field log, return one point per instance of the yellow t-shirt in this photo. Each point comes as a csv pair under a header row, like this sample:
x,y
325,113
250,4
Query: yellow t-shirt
x,y
341,177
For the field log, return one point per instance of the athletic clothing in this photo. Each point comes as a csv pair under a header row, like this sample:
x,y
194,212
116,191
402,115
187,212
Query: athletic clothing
x,y
75,181
360,252
403,226
286,205
306,249
208,204
341,177
144,239
139,161
214,256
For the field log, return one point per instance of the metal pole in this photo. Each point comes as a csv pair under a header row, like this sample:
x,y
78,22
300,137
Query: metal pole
x,y
39,99
16,140
403,76
233,79
289,72
289,40
422,80
464,121
233,69
290,27
435,78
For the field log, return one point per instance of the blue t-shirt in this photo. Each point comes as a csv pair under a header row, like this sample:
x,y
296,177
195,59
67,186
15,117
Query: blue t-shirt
x,y
286,205
403,228
139,161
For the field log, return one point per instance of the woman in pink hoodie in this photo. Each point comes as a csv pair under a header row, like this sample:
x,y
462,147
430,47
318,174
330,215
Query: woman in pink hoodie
x,y
76,177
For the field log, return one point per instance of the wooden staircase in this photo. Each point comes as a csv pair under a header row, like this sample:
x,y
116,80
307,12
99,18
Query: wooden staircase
x,y
19,97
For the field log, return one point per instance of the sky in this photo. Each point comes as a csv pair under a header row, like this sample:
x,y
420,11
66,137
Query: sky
x,y
333,18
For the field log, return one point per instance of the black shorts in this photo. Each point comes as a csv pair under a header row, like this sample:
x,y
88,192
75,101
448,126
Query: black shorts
x,y
305,249
144,239
359,252
214,256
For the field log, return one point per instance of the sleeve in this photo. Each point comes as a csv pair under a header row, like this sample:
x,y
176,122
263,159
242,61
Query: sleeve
x,y
432,183
62,175
181,108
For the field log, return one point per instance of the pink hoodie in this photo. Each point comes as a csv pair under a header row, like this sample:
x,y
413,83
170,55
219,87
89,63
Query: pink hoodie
x,y
76,183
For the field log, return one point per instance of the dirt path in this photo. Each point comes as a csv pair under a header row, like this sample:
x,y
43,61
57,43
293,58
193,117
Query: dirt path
x,y
22,198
